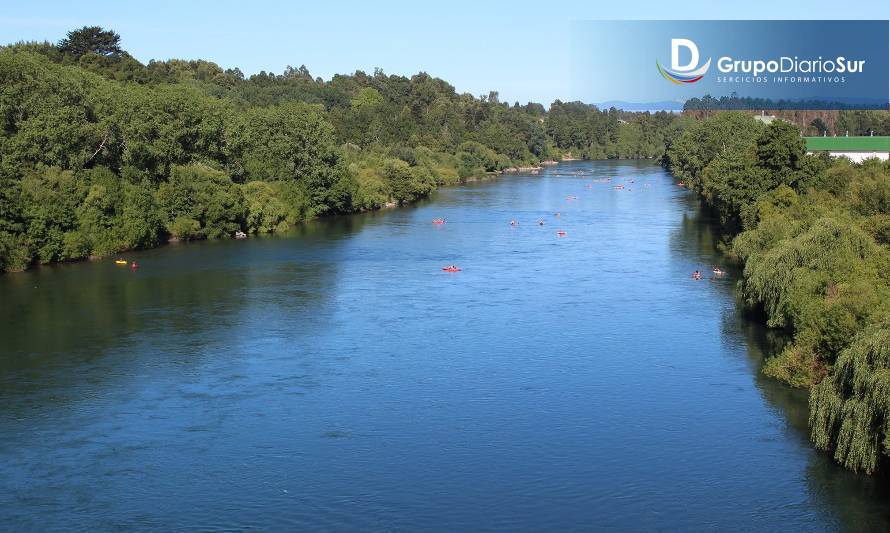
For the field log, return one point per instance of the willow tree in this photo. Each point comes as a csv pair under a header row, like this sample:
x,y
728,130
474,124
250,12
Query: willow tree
x,y
850,410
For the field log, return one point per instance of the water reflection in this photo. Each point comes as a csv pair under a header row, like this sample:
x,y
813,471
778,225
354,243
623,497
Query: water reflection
x,y
68,328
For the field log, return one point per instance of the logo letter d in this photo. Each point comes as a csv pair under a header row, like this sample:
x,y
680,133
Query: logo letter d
x,y
675,55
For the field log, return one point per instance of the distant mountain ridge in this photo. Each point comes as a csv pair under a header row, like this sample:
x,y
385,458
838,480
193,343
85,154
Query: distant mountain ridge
x,y
665,105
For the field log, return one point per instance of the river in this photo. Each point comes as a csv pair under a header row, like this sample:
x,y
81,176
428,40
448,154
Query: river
x,y
335,378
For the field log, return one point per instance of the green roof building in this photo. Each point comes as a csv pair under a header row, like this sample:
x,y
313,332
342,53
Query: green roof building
x,y
857,149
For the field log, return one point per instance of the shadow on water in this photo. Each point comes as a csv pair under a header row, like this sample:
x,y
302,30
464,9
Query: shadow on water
x,y
850,498
91,318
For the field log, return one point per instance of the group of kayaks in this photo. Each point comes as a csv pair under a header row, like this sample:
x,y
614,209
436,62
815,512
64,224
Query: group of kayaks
x,y
514,223
562,233
717,271
124,262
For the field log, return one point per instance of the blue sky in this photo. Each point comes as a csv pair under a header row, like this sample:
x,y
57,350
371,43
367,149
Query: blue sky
x,y
521,49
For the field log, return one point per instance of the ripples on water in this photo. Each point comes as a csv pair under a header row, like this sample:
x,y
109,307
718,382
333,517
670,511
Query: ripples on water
x,y
336,378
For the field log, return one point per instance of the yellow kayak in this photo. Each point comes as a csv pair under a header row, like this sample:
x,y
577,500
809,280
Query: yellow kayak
x,y
120,262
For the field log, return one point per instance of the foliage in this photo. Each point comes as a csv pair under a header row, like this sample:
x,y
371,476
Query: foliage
x,y
265,210
813,235
198,202
91,40
100,153
850,410
689,155
732,160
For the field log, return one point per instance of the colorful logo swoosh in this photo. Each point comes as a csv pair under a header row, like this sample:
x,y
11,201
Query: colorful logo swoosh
x,y
681,78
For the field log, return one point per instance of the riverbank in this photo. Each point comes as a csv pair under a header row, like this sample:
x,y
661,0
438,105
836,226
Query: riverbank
x,y
266,212
174,239
813,234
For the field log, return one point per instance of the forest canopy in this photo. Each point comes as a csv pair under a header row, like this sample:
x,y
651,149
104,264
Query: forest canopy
x,y
100,153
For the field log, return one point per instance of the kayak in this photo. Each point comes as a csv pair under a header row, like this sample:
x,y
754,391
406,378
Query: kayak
x,y
450,269
120,262
561,233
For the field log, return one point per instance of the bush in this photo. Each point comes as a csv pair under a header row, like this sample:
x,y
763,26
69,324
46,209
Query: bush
x,y
265,212
199,194
185,228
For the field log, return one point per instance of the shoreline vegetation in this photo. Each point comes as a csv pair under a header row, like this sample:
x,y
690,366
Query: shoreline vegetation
x,y
100,154
813,236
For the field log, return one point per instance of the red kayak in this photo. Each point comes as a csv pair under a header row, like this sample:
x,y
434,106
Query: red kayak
x,y
561,233
451,269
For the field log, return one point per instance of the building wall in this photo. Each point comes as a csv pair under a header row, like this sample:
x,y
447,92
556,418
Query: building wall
x,y
858,157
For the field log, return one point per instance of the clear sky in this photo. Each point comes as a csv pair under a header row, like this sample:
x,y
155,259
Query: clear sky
x,y
521,48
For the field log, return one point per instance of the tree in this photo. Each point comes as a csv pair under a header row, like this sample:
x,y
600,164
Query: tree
x,y
701,143
780,148
731,183
537,143
819,126
91,39
265,211
199,202
850,411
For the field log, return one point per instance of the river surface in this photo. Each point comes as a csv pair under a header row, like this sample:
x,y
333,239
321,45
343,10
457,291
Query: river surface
x,y
335,378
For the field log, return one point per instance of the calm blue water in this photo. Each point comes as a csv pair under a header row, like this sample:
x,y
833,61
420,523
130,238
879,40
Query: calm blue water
x,y
336,379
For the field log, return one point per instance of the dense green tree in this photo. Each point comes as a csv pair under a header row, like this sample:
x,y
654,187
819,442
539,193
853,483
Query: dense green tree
x,y
265,210
198,202
281,143
703,141
91,40
863,122
780,149
51,198
818,126
98,215
850,410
